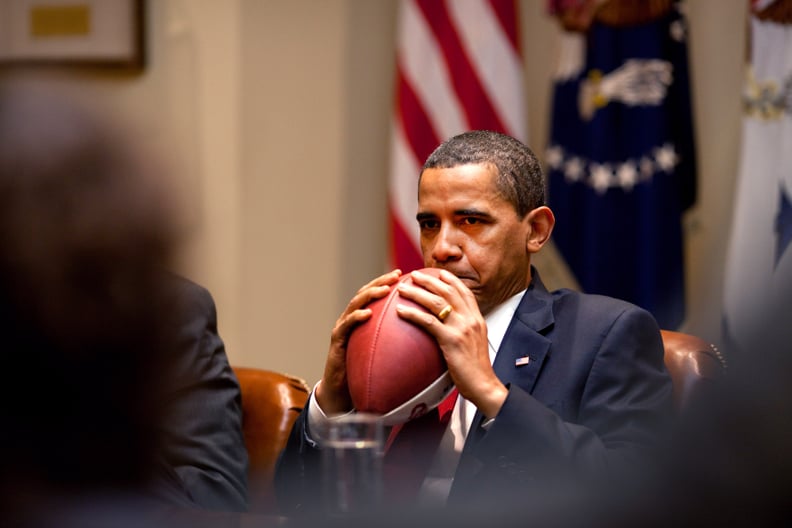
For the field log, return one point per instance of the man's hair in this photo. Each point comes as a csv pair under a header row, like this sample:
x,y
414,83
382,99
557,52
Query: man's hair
x,y
519,174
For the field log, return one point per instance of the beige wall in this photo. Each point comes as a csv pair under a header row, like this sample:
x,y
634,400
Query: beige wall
x,y
275,117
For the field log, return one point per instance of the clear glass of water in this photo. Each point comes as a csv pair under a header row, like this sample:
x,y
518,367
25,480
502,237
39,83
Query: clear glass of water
x,y
352,464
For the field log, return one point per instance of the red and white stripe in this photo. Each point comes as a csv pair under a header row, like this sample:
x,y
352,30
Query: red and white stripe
x,y
458,68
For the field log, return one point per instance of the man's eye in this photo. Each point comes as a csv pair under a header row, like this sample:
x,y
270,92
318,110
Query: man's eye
x,y
471,220
428,224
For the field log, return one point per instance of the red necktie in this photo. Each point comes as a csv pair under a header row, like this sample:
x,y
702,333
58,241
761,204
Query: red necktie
x,y
410,449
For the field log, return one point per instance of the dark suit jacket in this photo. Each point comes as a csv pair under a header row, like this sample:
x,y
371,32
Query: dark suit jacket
x,y
595,395
204,459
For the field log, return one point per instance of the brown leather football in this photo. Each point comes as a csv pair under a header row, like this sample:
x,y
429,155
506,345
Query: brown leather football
x,y
390,361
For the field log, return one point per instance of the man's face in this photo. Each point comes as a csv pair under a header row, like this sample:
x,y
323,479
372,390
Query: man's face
x,y
468,228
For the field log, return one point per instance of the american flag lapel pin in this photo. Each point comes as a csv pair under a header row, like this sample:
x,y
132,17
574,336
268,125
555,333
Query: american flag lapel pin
x,y
519,362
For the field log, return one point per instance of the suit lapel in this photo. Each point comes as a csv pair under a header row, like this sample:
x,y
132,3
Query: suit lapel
x,y
518,362
524,347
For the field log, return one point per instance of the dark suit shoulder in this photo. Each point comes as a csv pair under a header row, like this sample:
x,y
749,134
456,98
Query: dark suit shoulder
x,y
594,308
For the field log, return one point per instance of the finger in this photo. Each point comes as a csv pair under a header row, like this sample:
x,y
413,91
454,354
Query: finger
x,y
375,289
386,279
440,286
447,287
466,296
345,324
430,301
419,317
446,284
355,312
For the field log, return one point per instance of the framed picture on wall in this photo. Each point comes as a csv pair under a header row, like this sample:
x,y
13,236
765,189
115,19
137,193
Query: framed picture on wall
x,y
72,32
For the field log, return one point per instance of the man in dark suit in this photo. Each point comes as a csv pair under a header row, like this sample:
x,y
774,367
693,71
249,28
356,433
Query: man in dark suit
x,y
204,459
554,387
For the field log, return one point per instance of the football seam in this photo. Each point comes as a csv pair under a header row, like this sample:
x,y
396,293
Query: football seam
x,y
374,342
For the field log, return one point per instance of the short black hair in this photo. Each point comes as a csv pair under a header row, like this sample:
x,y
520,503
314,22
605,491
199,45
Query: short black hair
x,y
519,174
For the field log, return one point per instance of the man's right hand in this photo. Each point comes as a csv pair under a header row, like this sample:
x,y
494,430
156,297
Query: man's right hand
x,y
332,394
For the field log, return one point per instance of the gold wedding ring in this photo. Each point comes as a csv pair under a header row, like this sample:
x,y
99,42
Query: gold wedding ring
x,y
444,312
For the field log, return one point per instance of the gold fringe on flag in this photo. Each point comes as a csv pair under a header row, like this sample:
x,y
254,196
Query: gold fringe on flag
x,y
624,13
779,11
578,16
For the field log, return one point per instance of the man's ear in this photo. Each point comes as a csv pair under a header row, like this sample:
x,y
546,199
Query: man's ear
x,y
541,221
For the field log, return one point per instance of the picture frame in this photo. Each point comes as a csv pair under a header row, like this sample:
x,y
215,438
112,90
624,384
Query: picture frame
x,y
89,33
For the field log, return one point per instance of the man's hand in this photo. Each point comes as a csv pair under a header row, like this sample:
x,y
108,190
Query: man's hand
x,y
332,394
462,336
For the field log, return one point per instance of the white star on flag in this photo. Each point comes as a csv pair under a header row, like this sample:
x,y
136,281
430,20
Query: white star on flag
x,y
554,157
573,169
666,157
601,176
627,175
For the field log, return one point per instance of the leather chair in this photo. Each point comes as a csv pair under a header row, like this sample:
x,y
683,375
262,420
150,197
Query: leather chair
x,y
271,402
693,364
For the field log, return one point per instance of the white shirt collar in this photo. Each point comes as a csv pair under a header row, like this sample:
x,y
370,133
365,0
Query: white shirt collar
x,y
498,322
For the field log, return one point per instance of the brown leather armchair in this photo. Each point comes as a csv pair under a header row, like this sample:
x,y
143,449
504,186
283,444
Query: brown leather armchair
x,y
271,402
693,364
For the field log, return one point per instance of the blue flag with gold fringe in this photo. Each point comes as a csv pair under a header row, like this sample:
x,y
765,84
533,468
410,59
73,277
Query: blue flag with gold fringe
x,y
621,161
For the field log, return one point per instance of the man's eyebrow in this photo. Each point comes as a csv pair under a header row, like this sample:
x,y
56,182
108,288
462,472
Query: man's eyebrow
x,y
459,212
471,212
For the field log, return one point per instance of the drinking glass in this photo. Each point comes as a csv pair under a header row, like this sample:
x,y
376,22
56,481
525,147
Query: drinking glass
x,y
352,464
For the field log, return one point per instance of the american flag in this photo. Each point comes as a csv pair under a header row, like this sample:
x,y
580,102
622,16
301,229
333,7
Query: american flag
x,y
458,68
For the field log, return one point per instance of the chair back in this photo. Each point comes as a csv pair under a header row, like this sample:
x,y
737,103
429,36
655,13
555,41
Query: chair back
x,y
692,363
271,402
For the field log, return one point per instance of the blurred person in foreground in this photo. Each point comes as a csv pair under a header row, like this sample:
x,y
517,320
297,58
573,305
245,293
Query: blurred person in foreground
x,y
100,341
555,387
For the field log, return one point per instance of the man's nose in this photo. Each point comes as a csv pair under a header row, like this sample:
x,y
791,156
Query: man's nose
x,y
446,245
